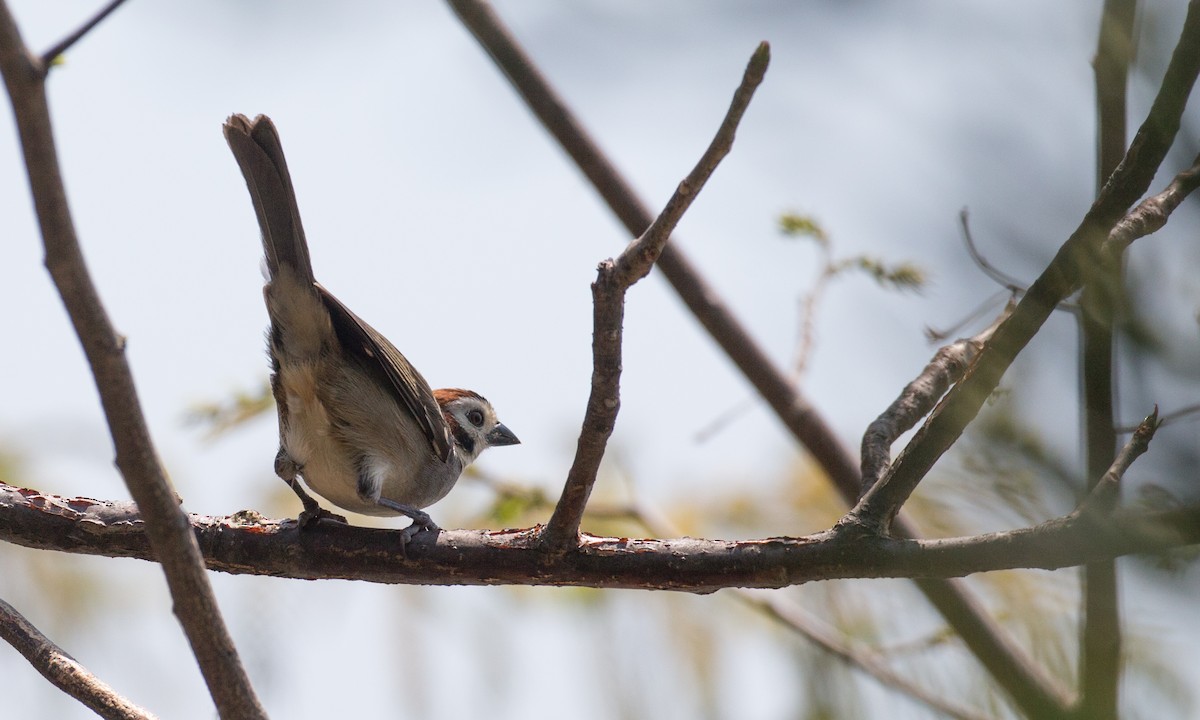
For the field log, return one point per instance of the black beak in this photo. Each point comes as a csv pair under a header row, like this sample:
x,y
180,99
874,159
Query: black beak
x,y
501,435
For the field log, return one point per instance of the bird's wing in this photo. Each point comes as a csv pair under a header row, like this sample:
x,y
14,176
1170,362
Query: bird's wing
x,y
407,385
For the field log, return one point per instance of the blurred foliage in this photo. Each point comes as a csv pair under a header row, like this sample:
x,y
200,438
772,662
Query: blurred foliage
x,y
221,416
900,276
64,597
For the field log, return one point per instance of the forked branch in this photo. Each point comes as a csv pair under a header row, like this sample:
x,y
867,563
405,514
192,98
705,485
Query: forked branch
x,y
1064,275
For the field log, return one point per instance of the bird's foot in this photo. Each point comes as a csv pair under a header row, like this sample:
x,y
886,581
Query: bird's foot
x,y
312,515
424,522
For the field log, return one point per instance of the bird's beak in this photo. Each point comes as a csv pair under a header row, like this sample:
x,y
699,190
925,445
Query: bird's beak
x,y
501,435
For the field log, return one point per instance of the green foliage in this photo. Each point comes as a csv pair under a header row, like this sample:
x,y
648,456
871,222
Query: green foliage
x,y
219,417
803,226
900,276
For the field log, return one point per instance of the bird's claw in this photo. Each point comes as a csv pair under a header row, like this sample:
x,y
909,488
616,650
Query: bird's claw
x,y
419,523
309,518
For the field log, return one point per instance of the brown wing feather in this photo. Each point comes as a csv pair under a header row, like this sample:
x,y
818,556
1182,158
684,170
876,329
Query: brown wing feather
x,y
364,342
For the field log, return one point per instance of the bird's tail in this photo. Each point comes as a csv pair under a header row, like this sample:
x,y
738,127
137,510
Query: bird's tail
x,y
259,153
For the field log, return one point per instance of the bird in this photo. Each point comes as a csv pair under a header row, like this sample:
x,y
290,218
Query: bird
x,y
357,422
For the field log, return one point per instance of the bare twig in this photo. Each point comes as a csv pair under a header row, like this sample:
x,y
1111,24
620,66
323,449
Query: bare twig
x,y
939,335
1062,277
705,303
166,524
63,45
635,262
1102,499
614,278
998,276
1152,213
918,398
1032,690
249,544
1165,419
63,670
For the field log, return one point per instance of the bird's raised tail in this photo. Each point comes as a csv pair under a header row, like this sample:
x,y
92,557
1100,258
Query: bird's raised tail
x,y
259,153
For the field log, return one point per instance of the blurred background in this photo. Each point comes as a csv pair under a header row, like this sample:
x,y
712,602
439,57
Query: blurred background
x,y
438,210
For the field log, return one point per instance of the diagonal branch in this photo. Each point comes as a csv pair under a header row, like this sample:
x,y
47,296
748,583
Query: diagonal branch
x,y
862,659
63,670
65,44
793,409
1152,213
1032,690
918,398
1062,277
608,292
1102,499
166,524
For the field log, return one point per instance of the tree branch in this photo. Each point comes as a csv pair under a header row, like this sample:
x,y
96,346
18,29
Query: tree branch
x,y
246,543
918,398
1103,293
1152,213
608,293
1103,497
63,670
793,409
166,524
1063,276
1033,691
63,45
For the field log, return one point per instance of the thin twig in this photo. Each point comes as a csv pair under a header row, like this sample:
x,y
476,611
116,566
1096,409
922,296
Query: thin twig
x,y
63,670
998,276
635,262
1102,499
1165,419
1034,692
1152,213
63,45
614,278
166,524
939,335
1063,276
793,409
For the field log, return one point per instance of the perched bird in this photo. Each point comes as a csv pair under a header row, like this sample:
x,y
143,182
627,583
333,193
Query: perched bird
x,y
356,420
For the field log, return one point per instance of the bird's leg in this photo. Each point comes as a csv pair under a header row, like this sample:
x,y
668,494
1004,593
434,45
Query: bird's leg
x,y
288,470
420,518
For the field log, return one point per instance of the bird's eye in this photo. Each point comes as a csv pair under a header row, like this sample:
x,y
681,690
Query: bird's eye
x,y
476,418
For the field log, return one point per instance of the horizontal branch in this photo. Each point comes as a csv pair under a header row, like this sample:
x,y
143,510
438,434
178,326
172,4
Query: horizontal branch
x,y
246,543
